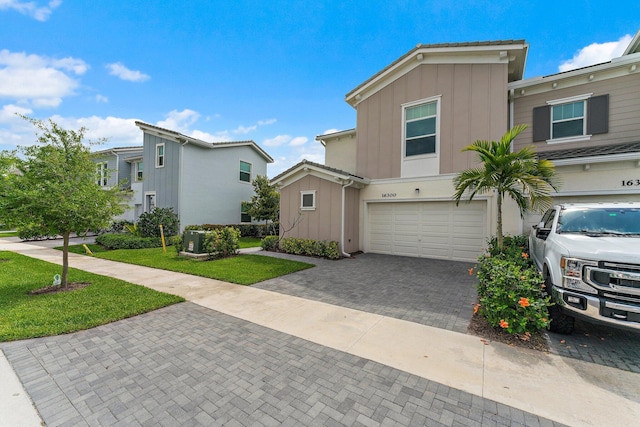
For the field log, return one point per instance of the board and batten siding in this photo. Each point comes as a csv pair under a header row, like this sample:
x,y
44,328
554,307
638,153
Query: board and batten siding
x,y
473,106
624,112
164,181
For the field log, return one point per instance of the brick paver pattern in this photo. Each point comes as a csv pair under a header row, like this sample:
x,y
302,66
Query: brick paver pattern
x,y
186,365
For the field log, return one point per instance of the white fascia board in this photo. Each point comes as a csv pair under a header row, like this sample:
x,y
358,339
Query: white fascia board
x,y
305,169
634,45
323,139
610,158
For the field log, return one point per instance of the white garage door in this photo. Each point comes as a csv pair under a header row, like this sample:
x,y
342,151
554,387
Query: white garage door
x,y
428,229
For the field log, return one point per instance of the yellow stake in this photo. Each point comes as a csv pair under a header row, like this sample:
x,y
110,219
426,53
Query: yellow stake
x,y
86,248
164,247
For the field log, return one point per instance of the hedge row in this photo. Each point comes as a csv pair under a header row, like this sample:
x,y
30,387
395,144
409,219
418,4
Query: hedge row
x,y
308,247
246,230
127,241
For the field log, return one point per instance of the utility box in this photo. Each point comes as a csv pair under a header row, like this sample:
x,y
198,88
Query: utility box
x,y
194,241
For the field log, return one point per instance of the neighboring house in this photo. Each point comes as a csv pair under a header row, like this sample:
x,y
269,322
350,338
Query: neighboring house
x,y
387,185
122,166
203,182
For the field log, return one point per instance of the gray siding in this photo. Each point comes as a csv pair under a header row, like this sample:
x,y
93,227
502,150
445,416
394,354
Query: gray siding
x,y
111,166
163,181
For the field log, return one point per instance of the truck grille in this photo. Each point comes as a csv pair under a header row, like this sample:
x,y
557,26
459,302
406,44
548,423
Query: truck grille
x,y
623,279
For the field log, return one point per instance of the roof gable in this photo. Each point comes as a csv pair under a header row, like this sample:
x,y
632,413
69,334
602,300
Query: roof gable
x,y
307,167
184,139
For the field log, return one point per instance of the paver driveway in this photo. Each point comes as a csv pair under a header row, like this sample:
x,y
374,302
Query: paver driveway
x,y
436,293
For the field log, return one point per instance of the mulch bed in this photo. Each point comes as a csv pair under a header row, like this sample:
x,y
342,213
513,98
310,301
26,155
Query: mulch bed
x,y
56,289
480,327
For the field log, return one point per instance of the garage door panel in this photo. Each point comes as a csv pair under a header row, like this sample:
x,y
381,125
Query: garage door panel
x,y
428,229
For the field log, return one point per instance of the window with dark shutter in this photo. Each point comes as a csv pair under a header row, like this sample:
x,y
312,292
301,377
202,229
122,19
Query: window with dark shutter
x,y
598,115
541,123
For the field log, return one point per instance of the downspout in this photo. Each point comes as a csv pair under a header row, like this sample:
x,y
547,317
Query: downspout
x,y
344,186
181,180
511,108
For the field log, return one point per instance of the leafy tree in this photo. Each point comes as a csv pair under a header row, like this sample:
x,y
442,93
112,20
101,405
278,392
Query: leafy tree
x,y
265,204
520,175
52,186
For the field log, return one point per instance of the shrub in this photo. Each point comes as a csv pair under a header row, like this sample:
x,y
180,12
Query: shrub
x,y
127,241
310,247
149,222
246,230
176,242
222,243
510,290
270,243
118,226
34,232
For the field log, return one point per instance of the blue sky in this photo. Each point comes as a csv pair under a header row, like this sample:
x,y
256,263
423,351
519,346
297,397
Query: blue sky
x,y
275,72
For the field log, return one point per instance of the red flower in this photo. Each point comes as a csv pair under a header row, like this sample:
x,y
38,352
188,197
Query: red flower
x,y
525,255
524,302
504,324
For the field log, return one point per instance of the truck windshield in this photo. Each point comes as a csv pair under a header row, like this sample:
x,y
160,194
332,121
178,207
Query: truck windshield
x,y
600,221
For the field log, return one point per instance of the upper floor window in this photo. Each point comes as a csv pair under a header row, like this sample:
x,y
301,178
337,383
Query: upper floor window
x,y
245,171
160,155
138,171
568,120
308,200
101,174
420,125
576,118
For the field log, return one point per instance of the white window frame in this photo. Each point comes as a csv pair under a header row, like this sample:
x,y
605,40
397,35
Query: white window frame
x,y
437,99
306,193
147,195
241,171
102,175
158,156
570,100
137,171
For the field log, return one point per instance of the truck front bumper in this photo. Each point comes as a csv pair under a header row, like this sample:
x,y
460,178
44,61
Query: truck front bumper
x,y
598,309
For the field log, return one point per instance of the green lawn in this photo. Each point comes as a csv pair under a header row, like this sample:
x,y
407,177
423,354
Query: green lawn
x,y
241,269
105,300
13,234
250,242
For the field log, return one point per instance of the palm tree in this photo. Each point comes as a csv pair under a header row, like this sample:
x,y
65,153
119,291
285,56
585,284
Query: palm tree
x,y
520,175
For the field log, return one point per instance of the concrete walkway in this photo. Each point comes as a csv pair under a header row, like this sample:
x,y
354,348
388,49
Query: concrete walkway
x,y
564,390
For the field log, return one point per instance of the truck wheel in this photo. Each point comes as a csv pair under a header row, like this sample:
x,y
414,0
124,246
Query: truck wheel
x,y
560,322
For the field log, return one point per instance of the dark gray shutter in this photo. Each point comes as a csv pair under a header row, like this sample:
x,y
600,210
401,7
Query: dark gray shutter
x,y
541,123
598,115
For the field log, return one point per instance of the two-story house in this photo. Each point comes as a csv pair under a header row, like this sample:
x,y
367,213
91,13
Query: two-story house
x,y
203,182
122,166
387,185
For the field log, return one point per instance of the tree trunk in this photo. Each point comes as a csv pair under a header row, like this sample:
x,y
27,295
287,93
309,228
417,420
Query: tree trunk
x,y
499,225
65,258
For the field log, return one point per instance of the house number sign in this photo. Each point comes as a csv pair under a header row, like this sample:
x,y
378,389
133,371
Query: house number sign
x,y
388,195
625,183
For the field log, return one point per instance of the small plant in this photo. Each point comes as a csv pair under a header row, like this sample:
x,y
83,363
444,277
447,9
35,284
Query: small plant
x,y
222,243
149,222
270,243
310,247
176,241
132,229
127,241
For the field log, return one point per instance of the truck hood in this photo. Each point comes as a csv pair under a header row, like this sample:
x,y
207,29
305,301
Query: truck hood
x,y
614,249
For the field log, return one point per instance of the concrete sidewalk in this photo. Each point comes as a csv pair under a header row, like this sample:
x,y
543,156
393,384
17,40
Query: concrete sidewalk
x,y
563,390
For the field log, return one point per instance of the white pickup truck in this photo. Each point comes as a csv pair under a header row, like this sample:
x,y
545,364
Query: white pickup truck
x,y
589,255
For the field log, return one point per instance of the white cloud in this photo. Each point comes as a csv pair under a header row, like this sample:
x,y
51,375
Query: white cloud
x,y
276,141
330,131
284,158
596,53
119,70
245,129
180,121
101,98
118,131
39,13
267,122
38,80
298,141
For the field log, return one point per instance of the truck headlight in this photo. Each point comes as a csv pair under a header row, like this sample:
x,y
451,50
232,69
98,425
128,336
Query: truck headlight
x,y
572,275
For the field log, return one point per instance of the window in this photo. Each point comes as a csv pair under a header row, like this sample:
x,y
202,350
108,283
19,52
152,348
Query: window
x,y
420,129
244,216
138,172
568,120
571,119
101,174
245,171
160,155
308,200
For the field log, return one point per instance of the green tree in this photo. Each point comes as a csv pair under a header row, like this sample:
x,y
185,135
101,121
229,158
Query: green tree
x,y
520,175
52,186
265,203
